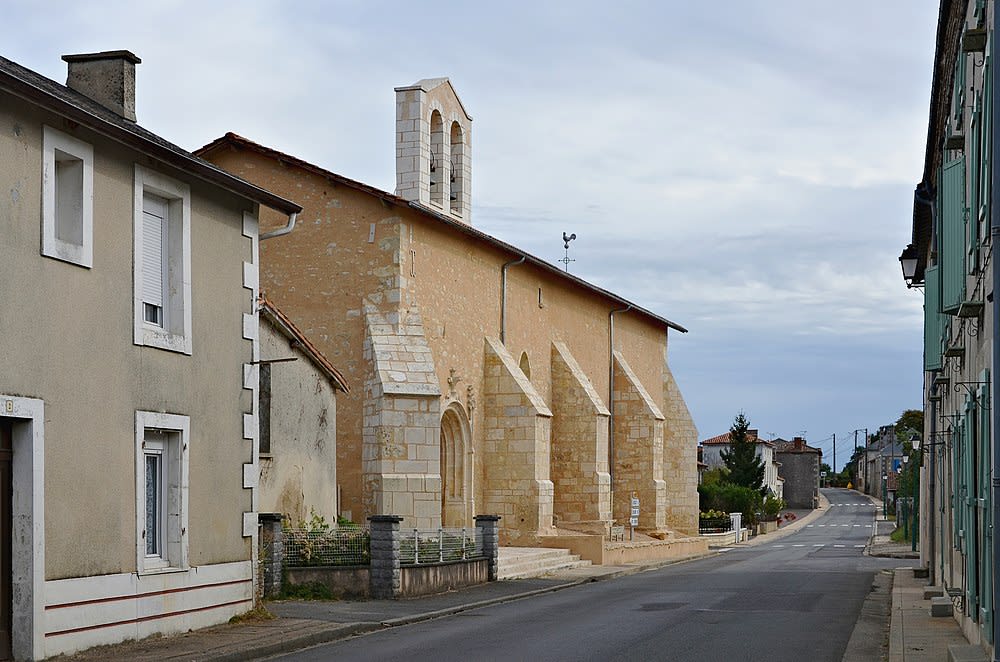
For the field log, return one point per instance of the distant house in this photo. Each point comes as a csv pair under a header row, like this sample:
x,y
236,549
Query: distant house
x,y
128,440
798,465
712,456
297,421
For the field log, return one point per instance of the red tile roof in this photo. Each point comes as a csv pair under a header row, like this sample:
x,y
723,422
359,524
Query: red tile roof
x,y
273,314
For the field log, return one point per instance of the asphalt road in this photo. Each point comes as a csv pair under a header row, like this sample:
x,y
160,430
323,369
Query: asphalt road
x,y
796,599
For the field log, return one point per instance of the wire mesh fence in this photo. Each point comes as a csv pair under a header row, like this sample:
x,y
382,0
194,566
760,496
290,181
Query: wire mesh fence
x,y
329,547
440,545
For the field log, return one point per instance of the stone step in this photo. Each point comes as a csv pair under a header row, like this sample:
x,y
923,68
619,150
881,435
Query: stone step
x,y
966,653
941,607
523,562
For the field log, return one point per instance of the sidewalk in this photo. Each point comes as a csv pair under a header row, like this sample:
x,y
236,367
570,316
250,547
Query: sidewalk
x,y
915,635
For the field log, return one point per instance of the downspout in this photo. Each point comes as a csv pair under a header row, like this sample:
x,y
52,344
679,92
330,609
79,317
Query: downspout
x,y
995,358
281,231
503,297
611,402
931,489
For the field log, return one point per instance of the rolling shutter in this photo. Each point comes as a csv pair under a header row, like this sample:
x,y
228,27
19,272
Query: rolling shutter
x,y
154,220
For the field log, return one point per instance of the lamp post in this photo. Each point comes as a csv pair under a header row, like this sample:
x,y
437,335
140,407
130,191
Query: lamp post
x,y
908,263
885,491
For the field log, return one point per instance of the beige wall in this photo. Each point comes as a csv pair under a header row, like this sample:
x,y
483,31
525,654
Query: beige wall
x,y
299,475
67,336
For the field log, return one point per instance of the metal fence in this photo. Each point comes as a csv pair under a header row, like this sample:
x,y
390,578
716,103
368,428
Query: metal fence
x,y
439,545
715,524
326,547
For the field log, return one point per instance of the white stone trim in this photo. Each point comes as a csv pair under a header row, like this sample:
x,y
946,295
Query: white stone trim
x,y
180,601
81,254
177,338
145,420
28,525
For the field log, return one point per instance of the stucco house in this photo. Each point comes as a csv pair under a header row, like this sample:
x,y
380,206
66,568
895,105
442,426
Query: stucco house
x,y
297,420
712,456
128,457
798,465
484,379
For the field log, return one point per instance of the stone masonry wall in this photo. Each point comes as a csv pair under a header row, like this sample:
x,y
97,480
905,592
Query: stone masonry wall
x,y
638,453
680,453
579,462
516,450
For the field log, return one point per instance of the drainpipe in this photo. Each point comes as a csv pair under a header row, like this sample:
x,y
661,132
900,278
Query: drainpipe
x,y
611,402
503,297
995,341
931,489
281,231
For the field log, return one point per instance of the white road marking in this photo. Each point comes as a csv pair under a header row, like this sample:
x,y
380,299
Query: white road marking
x,y
820,545
838,545
798,545
859,545
809,526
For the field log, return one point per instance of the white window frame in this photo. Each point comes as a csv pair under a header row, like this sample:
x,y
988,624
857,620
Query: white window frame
x,y
58,146
173,449
175,333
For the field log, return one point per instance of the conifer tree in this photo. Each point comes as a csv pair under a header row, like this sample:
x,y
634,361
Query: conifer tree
x,y
745,468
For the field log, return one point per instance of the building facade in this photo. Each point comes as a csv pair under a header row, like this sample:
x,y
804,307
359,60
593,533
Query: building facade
x,y
128,461
484,380
713,447
950,258
798,465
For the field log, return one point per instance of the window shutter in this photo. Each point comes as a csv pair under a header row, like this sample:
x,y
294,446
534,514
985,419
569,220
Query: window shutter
x,y
956,481
154,217
969,520
986,509
952,191
972,214
932,319
985,148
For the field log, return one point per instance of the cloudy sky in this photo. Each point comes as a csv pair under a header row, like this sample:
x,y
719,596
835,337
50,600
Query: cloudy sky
x,y
742,167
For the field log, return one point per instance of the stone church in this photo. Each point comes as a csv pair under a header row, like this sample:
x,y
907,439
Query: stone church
x,y
483,380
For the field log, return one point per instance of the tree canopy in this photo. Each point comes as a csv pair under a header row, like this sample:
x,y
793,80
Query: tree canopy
x,y
745,468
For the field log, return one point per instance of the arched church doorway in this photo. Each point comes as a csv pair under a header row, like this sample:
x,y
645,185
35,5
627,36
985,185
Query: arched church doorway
x,y
454,445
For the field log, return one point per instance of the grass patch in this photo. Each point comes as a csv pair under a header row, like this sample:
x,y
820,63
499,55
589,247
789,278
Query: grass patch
x,y
899,535
310,591
255,615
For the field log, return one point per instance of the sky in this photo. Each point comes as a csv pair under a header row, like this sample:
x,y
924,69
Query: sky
x,y
744,168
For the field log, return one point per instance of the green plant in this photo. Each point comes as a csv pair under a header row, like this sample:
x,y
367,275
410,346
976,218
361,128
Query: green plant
x,y
745,467
730,498
772,507
308,591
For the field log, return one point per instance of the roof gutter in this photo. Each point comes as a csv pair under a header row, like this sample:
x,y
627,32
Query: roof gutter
x,y
281,231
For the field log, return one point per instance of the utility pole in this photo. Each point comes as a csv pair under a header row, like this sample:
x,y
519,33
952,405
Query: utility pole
x,y
834,453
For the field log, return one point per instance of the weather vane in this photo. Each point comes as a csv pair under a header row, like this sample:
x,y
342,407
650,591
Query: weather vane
x,y
566,258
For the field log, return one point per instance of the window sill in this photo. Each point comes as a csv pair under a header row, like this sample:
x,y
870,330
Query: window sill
x,y
69,253
150,336
166,570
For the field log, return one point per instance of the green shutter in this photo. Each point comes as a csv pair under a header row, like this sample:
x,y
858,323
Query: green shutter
x,y
932,319
983,166
958,92
957,510
972,214
969,506
952,234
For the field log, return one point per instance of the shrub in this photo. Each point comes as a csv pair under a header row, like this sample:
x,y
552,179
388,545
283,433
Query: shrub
x,y
772,507
730,498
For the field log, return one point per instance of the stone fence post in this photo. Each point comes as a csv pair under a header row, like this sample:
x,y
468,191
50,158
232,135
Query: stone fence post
x,y
489,526
272,553
384,580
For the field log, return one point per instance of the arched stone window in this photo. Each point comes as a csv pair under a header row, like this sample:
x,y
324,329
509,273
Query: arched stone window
x,y
454,445
437,164
457,173
525,365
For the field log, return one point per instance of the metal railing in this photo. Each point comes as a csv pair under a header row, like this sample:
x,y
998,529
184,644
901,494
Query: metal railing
x,y
418,547
330,547
715,525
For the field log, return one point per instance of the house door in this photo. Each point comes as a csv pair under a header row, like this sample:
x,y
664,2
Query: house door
x,y
6,496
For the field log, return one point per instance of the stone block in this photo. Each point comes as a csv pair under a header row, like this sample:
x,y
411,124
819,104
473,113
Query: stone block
x,y
941,607
966,653
933,592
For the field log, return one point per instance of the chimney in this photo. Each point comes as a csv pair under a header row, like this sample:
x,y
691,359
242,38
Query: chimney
x,y
108,78
752,435
798,443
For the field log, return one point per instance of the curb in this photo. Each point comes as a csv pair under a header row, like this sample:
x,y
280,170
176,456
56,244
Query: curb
x,y
326,636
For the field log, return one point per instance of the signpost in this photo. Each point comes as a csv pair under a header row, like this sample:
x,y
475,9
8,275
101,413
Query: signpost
x,y
633,517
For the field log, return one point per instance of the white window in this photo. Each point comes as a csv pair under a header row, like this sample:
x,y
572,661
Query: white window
x,y
67,198
161,491
162,273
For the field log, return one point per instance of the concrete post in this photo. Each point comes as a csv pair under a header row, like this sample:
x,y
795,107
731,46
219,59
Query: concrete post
x,y
384,578
272,553
489,527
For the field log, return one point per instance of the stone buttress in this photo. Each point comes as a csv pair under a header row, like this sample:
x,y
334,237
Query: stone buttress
x,y
582,486
401,431
516,426
638,450
680,453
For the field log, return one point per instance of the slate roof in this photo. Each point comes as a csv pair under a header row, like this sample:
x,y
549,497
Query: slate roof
x,y
287,328
35,88
234,140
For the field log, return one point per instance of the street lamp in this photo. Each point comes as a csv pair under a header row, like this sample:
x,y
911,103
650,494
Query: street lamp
x,y
908,263
885,490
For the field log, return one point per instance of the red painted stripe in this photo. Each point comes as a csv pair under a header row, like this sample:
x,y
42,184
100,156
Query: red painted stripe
x,y
146,595
143,619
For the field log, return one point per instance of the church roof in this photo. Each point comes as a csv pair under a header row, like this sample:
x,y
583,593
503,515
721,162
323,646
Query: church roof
x,y
238,141
430,84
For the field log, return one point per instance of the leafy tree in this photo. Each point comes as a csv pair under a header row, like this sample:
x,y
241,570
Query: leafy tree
x,y
745,468
911,420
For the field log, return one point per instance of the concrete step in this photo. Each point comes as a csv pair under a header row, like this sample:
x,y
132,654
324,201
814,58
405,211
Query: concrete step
x,y
941,607
523,562
966,653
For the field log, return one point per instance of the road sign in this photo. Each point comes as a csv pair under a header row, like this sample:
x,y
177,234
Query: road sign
x,y
634,521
